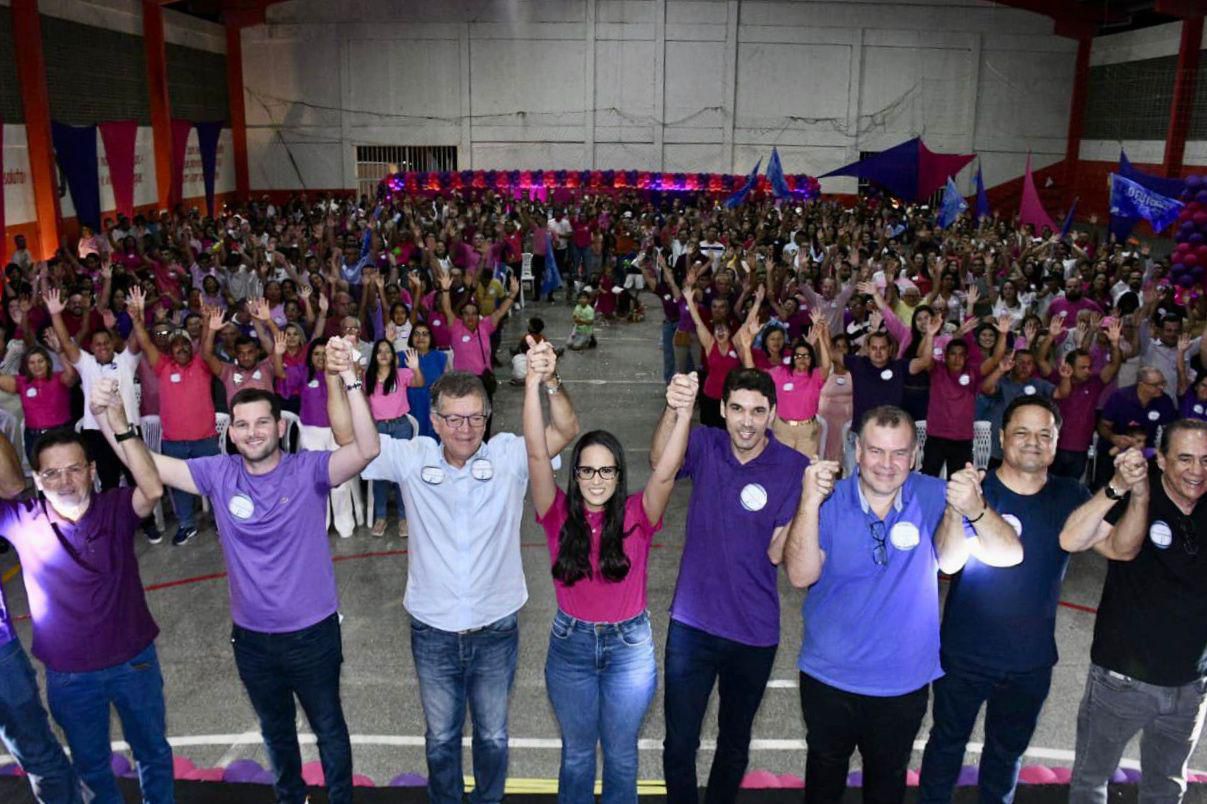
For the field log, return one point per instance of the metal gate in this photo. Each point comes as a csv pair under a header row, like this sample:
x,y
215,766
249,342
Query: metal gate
x,y
373,161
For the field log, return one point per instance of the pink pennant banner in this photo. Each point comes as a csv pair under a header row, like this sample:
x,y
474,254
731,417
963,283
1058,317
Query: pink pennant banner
x,y
180,139
118,137
1030,210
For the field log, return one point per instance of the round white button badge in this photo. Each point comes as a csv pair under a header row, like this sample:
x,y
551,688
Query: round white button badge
x,y
887,374
482,469
840,380
753,497
313,384
965,379
31,392
432,475
465,339
1153,415
904,535
788,386
1029,390
1198,408
174,377
241,506
1160,534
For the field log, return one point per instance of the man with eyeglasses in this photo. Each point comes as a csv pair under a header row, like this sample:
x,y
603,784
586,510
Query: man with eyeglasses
x,y
725,616
1132,417
270,509
465,580
869,548
1148,670
92,628
998,633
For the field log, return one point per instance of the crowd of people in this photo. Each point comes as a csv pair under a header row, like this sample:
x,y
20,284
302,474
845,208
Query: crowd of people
x,y
295,361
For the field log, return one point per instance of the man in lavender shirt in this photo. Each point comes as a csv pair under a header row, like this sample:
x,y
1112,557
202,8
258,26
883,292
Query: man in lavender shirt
x,y
24,727
270,507
91,625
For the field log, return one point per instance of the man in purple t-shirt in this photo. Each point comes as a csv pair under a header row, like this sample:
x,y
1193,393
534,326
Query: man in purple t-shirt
x,y
725,613
24,727
92,628
270,507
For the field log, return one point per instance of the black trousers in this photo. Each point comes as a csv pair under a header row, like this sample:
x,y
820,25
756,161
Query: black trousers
x,y
838,722
940,452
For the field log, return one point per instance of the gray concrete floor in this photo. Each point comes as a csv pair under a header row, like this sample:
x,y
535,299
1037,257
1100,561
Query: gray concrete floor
x,y
617,387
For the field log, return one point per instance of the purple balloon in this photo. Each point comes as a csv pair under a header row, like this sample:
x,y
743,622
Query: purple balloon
x,y
1201,196
1185,280
1132,774
1195,239
10,769
242,770
119,764
1119,777
1176,269
1197,272
969,774
1194,181
855,779
409,780
264,777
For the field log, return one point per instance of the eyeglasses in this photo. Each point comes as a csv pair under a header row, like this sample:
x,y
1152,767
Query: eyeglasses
x,y
588,472
1190,540
457,422
879,549
73,472
801,355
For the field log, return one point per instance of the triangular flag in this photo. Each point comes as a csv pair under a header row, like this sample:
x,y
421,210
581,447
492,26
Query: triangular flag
x,y
737,198
775,175
1030,210
952,205
982,200
1068,224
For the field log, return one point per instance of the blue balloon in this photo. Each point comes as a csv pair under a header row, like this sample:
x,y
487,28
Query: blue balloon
x,y
1196,272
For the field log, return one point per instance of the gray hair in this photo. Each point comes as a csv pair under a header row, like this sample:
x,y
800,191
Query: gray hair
x,y
456,385
1147,371
888,416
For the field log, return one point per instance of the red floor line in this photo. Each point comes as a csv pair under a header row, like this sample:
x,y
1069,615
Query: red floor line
x,y
1078,607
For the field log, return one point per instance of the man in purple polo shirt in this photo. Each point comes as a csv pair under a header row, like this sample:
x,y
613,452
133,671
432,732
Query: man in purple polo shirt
x,y
92,628
869,548
1078,391
725,613
24,727
270,507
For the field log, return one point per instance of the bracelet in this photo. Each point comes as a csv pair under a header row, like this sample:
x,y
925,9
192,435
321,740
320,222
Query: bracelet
x,y
979,517
354,386
126,436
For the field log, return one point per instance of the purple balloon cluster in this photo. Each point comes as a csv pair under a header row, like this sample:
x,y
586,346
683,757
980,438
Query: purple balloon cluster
x,y
1189,258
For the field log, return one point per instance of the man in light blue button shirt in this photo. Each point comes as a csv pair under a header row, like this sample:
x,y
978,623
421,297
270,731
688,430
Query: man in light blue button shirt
x,y
465,580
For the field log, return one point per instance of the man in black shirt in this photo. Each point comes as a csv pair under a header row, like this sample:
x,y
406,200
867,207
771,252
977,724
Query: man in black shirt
x,y
1148,670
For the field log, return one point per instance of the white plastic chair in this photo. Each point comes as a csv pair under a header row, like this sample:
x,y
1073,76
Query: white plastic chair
x,y
921,443
292,426
152,436
368,508
848,450
982,443
527,280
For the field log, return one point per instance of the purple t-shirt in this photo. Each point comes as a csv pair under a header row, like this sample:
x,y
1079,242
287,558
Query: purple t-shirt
x,y
727,584
274,537
312,392
85,594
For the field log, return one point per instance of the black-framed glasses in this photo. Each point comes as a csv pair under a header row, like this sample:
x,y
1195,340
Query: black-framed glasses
x,y
457,422
879,548
588,472
1190,539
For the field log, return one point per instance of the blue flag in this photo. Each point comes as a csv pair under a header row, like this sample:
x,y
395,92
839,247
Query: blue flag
x,y
775,175
553,279
952,205
1068,224
737,198
982,200
1130,199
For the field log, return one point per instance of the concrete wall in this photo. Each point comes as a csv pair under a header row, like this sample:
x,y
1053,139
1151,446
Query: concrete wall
x,y
675,85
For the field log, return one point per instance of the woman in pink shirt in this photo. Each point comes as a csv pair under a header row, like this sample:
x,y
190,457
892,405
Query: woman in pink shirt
x,y
386,387
44,393
600,671
720,355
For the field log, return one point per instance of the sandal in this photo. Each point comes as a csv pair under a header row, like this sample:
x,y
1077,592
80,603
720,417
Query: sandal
x,y
379,528
402,529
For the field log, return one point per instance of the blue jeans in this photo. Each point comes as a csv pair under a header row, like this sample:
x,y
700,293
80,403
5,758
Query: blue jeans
x,y
182,501
668,350
601,679
695,662
395,428
25,731
1014,702
475,667
80,704
306,663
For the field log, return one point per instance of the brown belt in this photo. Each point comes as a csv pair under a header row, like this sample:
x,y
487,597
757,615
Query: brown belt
x,y
798,422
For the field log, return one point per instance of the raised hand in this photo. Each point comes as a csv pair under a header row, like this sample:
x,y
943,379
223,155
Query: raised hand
x,y
1003,323
964,492
216,319
681,393
412,359
1056,326
1114,332
104,394
259,309
1183,343
1131,471
339,356
324,303
1065,371
137,301
818,481
109,319
513,287
446,282
54,301
278,343
1007,363
1030,330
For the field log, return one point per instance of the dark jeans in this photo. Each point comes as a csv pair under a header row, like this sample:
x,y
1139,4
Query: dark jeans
x,y
25,731
80,704
940,452
399,428
882,728
306,663
668,350
185,503
1069,464
1014,703
695,662
475,668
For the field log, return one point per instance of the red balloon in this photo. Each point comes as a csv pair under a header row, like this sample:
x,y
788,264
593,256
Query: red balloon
x,y
1200,218
1201,253
1181,248
1193,206
1191,260
1185,214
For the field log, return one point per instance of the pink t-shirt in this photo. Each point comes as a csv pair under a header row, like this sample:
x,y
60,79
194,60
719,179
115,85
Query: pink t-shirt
x,y
392,406
236,378
186,409
796,395
719,365
595,599
952,404
46,402
471,350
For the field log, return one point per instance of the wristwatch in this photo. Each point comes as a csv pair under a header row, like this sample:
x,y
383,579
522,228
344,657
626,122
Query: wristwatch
x,y
1111,494
126,436
553,390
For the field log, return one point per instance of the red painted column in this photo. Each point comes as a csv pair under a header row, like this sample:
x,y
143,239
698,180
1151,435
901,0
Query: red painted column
x,y
238,114
1183,95
1081,79
157,91
35,100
